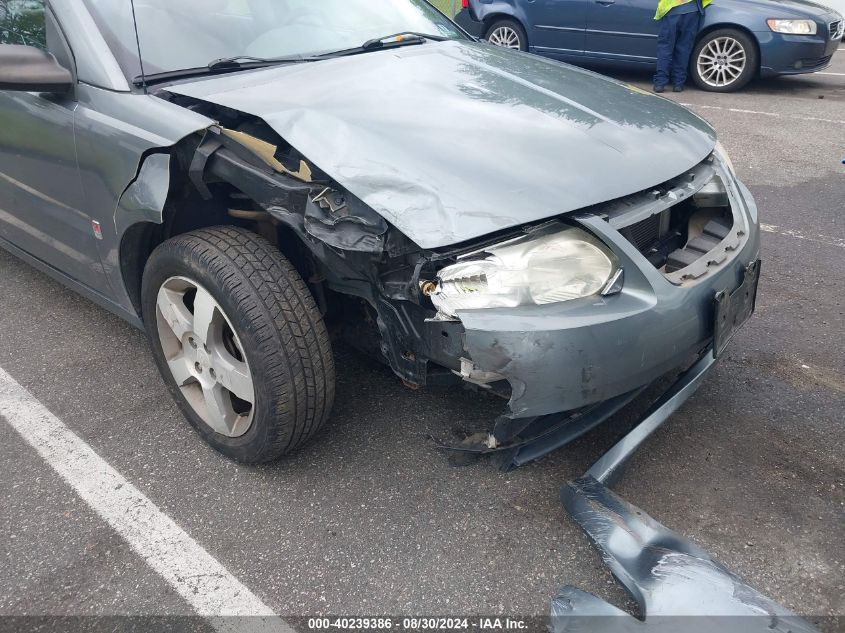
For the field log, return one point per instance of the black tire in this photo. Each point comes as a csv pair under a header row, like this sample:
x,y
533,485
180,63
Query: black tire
x,y
278,327
752,61
511,25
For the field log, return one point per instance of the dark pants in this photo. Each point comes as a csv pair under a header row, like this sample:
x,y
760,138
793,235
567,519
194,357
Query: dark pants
x,y
674,47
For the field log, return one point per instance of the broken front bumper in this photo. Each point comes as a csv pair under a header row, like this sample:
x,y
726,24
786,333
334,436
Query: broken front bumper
x,y
564,356
676,584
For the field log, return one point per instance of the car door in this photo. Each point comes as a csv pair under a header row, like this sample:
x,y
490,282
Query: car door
x,y
556,26
42,209
623,30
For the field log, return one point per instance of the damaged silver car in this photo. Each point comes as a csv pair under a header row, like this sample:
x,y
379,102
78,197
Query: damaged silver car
x,y
241,178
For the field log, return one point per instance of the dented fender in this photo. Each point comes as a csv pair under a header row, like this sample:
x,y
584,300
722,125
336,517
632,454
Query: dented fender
x,y
116,134
145,197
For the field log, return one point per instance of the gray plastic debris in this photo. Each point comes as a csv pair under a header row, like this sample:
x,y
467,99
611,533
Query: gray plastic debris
x,y
678,586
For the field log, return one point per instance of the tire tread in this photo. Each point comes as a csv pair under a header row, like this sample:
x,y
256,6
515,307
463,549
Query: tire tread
x,y
275,304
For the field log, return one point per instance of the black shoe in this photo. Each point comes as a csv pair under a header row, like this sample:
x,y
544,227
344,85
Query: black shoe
x,y
659,89
677,88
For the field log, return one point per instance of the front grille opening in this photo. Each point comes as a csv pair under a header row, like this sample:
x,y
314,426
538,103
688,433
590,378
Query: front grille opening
x,y
706,229
683,233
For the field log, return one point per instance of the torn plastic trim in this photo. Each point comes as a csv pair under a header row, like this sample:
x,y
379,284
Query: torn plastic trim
x,y
477,376
558,429
569,432
267,152
677,585
345,222
733,241
249,149
640,206
611,465
671,578
145,196
346,238
552,432
702,181
140,205
325,213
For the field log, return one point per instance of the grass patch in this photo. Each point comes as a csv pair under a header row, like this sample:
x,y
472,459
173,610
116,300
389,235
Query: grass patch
x,y
445,6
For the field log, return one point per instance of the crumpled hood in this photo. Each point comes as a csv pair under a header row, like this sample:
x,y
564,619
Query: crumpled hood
x,y
455,140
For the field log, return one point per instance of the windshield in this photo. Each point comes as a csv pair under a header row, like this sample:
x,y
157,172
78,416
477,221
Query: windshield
x,y
182,34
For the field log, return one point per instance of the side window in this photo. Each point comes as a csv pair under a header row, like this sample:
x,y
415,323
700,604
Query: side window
x,y
23,22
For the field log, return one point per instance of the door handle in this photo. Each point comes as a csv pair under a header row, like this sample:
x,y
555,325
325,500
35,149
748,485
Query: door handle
x,y
605,3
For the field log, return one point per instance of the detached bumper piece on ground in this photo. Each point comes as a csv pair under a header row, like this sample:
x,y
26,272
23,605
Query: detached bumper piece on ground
x,y
676,584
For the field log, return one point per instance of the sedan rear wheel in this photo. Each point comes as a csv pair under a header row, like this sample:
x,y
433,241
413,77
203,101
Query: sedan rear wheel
x,y
507,34
724,61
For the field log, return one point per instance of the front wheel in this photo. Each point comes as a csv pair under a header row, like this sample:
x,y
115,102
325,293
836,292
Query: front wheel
x,y
239,341
507,33
724,60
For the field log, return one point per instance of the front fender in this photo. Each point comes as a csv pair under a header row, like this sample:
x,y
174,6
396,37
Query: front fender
x,y
487,9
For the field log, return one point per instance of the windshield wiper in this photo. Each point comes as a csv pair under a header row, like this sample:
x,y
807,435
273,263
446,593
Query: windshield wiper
x,y
402,38
237,62
245,62
218,66
395,40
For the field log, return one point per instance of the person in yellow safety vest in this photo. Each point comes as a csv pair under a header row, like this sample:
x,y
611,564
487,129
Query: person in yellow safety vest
x,y
679,24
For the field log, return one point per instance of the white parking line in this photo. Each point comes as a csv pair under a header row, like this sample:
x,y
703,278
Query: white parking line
x,y
821,239
759,113
833,74
197,576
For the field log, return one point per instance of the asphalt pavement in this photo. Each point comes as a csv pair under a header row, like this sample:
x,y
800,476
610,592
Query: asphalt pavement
x,y
370,519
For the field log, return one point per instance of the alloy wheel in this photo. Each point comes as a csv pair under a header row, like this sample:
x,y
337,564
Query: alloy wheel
x,y
504,36
205,356
721,62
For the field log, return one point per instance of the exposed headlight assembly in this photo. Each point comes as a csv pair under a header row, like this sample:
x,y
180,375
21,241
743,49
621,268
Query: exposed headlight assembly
x,y
793,27
533,270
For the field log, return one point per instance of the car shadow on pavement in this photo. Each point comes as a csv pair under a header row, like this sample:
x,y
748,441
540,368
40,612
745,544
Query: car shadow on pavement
x,y
809,85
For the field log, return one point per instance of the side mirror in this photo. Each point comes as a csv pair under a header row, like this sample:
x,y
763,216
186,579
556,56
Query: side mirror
x,y
29,69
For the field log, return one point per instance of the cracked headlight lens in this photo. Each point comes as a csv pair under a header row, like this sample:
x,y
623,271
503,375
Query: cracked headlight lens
x,y
534,270
793,27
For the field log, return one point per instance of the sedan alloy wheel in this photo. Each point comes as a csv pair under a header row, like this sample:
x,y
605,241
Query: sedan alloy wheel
x,y
721,62
724,60
507,33
239,339
505,36
205,356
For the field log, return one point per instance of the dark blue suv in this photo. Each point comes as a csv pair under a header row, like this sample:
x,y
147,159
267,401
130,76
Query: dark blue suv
x,y
739,39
